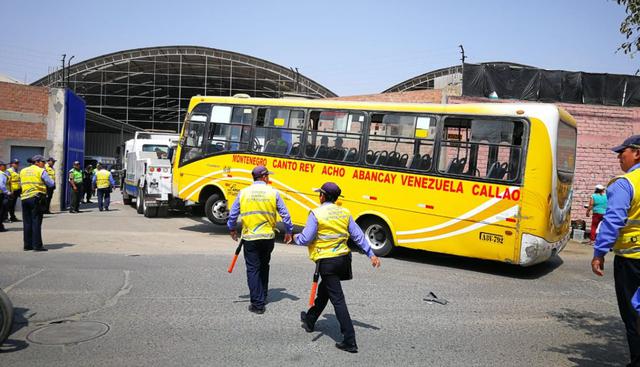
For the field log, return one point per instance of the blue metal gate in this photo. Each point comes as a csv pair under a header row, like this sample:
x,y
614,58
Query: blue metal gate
x,y
74,129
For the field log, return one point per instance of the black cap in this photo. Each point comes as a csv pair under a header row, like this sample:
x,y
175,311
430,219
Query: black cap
x,y
2,163
51,159
37,158
330,189
630,142
260,171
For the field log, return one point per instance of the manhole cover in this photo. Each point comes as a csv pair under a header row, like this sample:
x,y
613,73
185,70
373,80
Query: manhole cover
x,y
68,332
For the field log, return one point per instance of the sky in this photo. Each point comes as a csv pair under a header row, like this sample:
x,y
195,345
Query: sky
x,y
350,47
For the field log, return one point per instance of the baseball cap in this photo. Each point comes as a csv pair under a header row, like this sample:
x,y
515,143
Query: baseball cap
x,y
51,159
599,187
15,160
260,171
630,142
76,162
2,163
37,158
330,188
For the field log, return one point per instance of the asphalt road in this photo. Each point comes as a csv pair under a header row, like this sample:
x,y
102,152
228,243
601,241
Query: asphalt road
x,y
161,288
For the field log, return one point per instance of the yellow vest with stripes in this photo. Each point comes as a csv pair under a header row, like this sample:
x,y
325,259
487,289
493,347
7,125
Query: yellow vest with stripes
x,y
258,212
51,172
628,242
31,181
102,179
14,179
333,232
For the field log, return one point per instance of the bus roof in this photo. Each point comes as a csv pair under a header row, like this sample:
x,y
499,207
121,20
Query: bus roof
x,y
489,109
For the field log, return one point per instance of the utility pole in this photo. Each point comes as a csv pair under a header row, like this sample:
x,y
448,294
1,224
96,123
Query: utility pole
x,y
462,58
62,80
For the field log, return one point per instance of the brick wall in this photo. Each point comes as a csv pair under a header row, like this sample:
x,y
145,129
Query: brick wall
x,y
419,96
23,102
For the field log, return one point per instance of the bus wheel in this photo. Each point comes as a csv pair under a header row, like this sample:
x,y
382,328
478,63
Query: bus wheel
x,y
378,235
216,209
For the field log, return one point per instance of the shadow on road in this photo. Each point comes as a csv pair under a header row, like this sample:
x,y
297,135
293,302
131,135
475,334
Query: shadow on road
x,y
57,246
275,295
609,345
330,327
19,321
483,266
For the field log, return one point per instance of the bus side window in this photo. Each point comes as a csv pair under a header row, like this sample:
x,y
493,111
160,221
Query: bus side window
x,y
278,131
334,135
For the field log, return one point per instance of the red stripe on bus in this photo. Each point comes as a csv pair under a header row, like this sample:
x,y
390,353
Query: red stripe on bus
x,y
512,220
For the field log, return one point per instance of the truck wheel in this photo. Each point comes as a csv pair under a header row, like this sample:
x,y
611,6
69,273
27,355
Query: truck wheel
x,y
216,209
140,201
6,316
126,199
378,235
163,211
150,211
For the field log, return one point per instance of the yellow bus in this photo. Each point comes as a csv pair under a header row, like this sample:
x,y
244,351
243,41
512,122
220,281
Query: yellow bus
x,y
489,181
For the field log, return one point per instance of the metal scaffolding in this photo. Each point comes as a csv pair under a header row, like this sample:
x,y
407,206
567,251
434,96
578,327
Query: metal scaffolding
x,y
150,88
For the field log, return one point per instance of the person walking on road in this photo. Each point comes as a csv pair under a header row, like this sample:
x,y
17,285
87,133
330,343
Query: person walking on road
x,y
597,205
34,181
258,206
104,182
87,179
76,182
620,231
14,187
4,193
326,232
52,174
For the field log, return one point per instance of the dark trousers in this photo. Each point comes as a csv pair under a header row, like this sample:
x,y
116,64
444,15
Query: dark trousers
x,y
50,191
4,203
76,196
32,222
257,255
104,198
87,190
626,273
331,271
12,203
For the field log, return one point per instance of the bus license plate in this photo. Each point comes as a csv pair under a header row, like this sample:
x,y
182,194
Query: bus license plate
x,y
491,237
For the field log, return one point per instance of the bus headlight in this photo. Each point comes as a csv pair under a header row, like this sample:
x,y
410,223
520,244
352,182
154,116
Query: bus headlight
x,y
534,249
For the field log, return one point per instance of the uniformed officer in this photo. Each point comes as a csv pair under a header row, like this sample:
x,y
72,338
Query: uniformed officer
x,y
34,181
620,231
258,206
87,176
104,182
4,193
52,174
327,231
75,180
14,187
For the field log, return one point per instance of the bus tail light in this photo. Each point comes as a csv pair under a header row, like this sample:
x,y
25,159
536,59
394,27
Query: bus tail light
x,y
425,206
512,220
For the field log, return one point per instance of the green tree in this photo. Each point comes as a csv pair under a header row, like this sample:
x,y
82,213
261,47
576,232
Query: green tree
x,y
630,26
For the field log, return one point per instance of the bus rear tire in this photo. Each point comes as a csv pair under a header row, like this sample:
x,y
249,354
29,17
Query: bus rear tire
x,y
216,209
378,235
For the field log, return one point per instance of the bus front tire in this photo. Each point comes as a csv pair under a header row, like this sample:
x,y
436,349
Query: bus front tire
x,y
216,209
378,235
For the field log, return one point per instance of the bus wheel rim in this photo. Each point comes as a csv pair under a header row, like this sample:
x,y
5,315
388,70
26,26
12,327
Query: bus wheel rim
x,y
219,209
376,236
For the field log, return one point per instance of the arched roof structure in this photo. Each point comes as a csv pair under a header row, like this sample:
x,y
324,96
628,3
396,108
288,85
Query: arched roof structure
x,y
151,87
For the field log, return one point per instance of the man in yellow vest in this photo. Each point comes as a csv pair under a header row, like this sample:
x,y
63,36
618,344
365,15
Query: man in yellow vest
x,y
34,181
4,194
14,187
326,232
52,174
103,181
620,231
76,182
258,206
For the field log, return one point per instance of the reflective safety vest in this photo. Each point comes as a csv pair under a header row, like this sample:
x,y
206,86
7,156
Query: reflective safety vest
x,y
14,179
76,175
31,181
333,232
102,179
258,212
50,172
628,242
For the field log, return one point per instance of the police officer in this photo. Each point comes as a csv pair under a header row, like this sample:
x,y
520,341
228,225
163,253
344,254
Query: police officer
x,y
87,177
75,180
4,193
34,181
258,206
14,187
103,181
620,231
326,232
52,174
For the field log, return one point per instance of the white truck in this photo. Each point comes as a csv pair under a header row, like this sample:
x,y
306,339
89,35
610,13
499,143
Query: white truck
x,y
147,172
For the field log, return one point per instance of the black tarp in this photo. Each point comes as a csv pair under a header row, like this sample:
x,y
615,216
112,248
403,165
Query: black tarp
x,y
532,84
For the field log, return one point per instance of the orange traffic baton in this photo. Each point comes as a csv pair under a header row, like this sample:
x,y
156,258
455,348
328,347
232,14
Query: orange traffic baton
x,y
314,285
235,257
